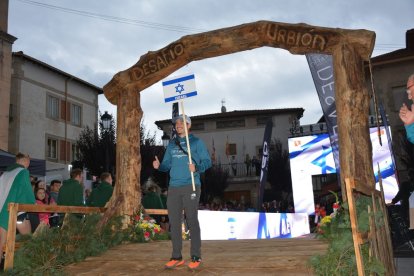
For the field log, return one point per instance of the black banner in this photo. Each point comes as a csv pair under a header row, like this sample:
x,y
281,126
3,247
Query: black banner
x,y
265,163
321,67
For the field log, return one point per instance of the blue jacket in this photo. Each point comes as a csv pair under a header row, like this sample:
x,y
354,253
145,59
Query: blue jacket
x,y
410,133
176,161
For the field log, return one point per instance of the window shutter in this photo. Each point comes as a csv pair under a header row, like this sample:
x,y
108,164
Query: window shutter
x,y
63,110
67,151
62,150
67,111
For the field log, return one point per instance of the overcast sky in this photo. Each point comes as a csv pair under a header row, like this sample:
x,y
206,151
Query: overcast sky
x,y
95,39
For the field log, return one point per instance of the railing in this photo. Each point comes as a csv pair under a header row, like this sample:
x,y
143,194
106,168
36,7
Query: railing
x,y
240,170
14,208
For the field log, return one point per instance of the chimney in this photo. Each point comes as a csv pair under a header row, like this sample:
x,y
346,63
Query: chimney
x,y
4,11
409,39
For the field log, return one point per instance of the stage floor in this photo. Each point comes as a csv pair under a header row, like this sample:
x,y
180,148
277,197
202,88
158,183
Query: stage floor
x,y
241,257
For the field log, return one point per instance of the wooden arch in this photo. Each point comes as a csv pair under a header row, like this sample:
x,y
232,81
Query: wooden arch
x,y
349,48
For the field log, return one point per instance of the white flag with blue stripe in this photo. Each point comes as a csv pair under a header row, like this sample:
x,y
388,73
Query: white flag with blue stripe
x,y
179,88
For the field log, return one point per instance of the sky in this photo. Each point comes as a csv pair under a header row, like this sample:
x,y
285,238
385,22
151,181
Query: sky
x,y
95,39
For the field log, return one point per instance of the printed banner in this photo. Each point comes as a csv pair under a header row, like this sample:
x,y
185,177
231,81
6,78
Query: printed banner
x,y
321,67
225,225
265,163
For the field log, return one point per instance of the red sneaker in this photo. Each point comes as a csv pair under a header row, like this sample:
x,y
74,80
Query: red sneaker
x,y
174,262
194,263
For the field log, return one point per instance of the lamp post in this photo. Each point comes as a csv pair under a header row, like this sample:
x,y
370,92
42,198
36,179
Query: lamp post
x,y
106,124
165,140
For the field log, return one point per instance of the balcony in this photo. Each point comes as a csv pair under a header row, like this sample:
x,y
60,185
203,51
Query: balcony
x,y
238,172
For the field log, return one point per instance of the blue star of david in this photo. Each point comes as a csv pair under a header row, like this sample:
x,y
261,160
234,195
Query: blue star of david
x,y
321,160
179,88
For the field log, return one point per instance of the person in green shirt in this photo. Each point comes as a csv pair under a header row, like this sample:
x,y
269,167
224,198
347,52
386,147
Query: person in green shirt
x,y
151,199
15,187
102,193
71,192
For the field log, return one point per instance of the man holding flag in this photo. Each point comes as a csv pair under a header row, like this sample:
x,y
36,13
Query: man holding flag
x,y
180,192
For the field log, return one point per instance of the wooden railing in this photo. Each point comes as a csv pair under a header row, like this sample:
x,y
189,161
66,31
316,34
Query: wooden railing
x,y
14,208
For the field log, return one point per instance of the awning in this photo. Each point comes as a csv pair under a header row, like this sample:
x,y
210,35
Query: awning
x,y
37,166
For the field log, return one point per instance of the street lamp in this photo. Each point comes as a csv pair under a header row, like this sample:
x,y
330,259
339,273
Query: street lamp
x,y
106,123
165,140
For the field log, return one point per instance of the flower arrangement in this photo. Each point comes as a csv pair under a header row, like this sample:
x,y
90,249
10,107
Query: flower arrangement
x,y
143,228
336,204
323,225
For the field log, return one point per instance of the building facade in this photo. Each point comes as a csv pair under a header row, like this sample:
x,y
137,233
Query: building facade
x,y
6,42
231,136
390,73
48,110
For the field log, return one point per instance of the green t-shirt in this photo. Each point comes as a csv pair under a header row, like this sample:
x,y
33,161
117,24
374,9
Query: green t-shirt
x,y
152,200
71,193
20,192
100,195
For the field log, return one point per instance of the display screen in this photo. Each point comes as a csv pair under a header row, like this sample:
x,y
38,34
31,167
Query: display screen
x,y
312,155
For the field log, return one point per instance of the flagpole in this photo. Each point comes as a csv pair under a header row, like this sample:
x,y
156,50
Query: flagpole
x,y
188,142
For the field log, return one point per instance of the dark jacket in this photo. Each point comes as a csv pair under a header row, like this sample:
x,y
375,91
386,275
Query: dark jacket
x,y
403,195
152,200
100,195
71,193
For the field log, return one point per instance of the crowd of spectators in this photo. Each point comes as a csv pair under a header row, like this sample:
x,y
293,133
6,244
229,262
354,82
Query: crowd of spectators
x,y
236,206
69,193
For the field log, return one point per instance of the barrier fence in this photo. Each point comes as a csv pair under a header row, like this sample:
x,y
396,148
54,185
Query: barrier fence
x,y
14,208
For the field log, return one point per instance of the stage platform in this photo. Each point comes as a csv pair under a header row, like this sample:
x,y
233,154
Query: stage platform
x,y
229,257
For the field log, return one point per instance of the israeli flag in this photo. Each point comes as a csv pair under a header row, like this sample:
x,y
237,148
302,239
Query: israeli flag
x,y
179,88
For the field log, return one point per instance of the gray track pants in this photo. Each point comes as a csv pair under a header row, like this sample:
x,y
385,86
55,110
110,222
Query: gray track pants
x,y
179,199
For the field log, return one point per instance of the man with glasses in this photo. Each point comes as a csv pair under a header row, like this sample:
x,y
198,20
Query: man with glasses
x,y
406,114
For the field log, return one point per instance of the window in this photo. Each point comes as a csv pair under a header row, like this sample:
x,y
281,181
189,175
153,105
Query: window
x,y
75,152
197,126
52,108
51,148
231,123
64,150
262,120
75,113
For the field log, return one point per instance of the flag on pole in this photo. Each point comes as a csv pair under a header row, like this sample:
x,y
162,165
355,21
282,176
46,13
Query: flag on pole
x,y
265,162
179,88
213,154
244,148
227,147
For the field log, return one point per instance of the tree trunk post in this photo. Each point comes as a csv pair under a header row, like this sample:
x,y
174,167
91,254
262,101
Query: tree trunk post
x,y
126,199
352,104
